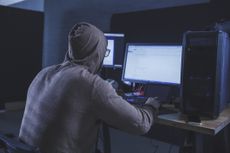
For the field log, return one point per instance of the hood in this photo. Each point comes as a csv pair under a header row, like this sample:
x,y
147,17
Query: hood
x,y
86,46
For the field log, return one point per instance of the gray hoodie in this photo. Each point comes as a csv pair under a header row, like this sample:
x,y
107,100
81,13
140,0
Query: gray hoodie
x,y
67,102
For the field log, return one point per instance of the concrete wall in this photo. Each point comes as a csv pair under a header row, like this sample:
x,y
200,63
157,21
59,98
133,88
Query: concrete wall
x,y
61,15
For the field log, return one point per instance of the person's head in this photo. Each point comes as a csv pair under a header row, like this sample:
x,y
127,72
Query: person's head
x,y
86,46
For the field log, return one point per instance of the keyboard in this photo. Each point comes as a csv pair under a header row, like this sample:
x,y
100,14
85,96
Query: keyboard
x,y
137,100
140,101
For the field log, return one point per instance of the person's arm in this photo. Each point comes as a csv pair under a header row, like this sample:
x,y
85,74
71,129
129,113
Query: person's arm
x,y
115,111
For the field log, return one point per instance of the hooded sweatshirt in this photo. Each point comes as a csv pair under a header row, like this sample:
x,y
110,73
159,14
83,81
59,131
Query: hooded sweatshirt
x,y
67,102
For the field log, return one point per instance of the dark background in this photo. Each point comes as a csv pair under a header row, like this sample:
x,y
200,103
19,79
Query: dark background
x,y
21,38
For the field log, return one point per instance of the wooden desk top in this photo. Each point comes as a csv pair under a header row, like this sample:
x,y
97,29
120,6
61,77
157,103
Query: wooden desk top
x,y
211,127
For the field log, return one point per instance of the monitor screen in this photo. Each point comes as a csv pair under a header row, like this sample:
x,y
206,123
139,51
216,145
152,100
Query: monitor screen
x,y
152,63
109,60
116,47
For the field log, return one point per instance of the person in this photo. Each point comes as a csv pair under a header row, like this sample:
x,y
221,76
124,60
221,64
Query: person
x,y
66,103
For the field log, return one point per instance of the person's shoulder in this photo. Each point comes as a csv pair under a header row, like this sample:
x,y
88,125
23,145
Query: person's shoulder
x,y
80,73
47,68
91,78
101,83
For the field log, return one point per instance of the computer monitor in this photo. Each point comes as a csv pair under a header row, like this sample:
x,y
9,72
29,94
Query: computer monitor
x,y
116,47
152,63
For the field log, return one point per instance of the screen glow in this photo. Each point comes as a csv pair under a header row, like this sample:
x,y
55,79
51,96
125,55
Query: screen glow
x,y
153,63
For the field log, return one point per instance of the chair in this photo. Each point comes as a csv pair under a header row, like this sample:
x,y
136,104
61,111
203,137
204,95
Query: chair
x,y
10,144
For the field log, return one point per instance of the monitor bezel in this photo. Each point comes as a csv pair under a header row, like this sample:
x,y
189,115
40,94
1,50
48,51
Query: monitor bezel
x,y
145,81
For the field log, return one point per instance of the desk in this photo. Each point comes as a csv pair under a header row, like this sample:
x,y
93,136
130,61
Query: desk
x,y
207,127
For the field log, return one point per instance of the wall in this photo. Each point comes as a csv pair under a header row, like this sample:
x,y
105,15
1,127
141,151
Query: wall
x,y
21,51
61,15
169,24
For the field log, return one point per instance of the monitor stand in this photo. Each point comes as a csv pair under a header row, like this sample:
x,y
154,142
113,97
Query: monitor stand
x,y
194,118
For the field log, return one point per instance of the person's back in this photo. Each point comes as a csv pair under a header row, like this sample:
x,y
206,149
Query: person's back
x,y
67,102
57,102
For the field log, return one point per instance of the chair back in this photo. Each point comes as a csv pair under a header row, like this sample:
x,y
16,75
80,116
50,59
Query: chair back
x,y
10,144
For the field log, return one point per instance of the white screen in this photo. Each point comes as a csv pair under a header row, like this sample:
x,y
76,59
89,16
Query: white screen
x,y
109,59
153,63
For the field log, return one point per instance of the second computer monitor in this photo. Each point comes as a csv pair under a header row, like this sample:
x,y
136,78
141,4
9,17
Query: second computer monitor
x,y
116,47
152,63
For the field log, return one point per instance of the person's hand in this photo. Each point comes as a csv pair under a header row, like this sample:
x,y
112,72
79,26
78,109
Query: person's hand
x,y
153,102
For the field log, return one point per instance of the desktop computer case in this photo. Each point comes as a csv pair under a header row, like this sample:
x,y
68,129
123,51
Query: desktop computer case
x,y
205,73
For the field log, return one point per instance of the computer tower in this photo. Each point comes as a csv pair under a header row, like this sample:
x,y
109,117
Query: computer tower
x,y
205,73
